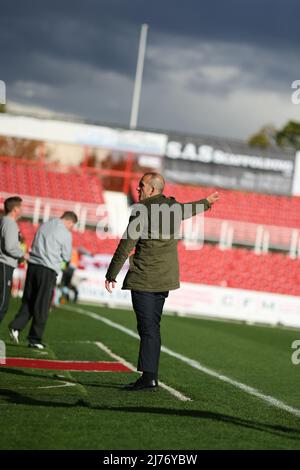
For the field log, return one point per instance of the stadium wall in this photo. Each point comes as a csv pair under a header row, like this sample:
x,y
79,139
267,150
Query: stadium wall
x,y
201,300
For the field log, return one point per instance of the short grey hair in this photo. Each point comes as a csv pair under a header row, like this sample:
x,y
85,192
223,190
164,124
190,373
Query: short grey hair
x,y
156,180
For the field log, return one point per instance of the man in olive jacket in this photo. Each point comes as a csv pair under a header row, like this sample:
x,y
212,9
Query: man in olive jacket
x,y
153,231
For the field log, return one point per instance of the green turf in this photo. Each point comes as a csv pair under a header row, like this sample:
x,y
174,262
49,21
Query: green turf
x,y
95,413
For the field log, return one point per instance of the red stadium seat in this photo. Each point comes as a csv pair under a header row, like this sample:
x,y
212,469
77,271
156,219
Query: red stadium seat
x,y
257,208
31,180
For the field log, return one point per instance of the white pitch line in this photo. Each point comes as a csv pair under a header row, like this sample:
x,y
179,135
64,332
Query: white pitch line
x,y
64,384
169,389
197,365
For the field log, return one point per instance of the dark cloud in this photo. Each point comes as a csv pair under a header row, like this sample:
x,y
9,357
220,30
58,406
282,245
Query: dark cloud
x,y
54,52
105,32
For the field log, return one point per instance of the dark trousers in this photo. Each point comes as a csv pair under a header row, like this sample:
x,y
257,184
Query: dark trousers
x,y
36,301
6,275
148,307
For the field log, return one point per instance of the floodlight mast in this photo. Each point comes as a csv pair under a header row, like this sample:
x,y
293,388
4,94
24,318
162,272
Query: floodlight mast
x,y
138,77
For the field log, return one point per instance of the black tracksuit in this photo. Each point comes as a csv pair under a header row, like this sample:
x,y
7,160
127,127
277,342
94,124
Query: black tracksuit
x,y
36,302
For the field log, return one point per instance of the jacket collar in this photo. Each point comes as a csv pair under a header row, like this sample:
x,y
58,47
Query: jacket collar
x,y
151,198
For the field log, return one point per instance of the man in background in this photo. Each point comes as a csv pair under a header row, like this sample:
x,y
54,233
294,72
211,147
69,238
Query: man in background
x,y
10,249
68,282
51,246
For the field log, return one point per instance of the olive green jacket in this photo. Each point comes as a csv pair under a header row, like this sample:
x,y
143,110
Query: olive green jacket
x,y
154,265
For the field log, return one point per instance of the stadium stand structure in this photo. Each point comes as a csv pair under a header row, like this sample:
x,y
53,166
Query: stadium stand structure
x,y
242,218
35,180
47,193
237,267
264,209
245,218
241,268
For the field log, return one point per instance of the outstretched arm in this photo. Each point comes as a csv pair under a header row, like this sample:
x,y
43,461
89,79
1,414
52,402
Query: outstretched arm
x,y
189,209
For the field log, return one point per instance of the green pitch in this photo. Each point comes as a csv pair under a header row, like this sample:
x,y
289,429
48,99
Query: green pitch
x,y
85,410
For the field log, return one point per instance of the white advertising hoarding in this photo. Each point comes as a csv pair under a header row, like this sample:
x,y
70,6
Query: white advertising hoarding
x,y
202,300
191,299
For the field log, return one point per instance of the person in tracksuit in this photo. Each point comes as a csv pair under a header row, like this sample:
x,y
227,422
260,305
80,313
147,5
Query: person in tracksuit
x,y
10,249
51,246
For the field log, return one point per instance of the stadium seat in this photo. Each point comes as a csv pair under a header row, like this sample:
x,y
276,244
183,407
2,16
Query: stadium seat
x,y
33,180
266,209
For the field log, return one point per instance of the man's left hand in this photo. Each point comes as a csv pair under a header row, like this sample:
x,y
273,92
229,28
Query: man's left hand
x,y
109,285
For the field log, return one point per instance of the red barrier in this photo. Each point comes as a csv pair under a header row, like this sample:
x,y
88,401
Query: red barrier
x,y
87,366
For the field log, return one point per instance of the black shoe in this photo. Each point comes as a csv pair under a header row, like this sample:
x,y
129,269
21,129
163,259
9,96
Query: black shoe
x,y
133,384
143,384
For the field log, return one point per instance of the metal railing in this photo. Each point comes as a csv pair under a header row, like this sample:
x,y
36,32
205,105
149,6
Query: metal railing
x,y
42,209
261,237
224,232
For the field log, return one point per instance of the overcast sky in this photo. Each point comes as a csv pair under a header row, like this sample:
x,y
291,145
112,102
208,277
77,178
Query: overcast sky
x,y
220,68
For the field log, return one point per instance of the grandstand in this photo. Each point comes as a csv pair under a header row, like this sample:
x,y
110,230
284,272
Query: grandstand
x,y
233,267
244,237
248,218
29,179
241,268
257,208
237,268
47,193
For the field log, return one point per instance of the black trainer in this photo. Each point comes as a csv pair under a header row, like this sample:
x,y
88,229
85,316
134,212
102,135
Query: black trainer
x,y
132,384
143,384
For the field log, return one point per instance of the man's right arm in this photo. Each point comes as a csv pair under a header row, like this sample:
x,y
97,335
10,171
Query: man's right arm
x,y
190,209
122,252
